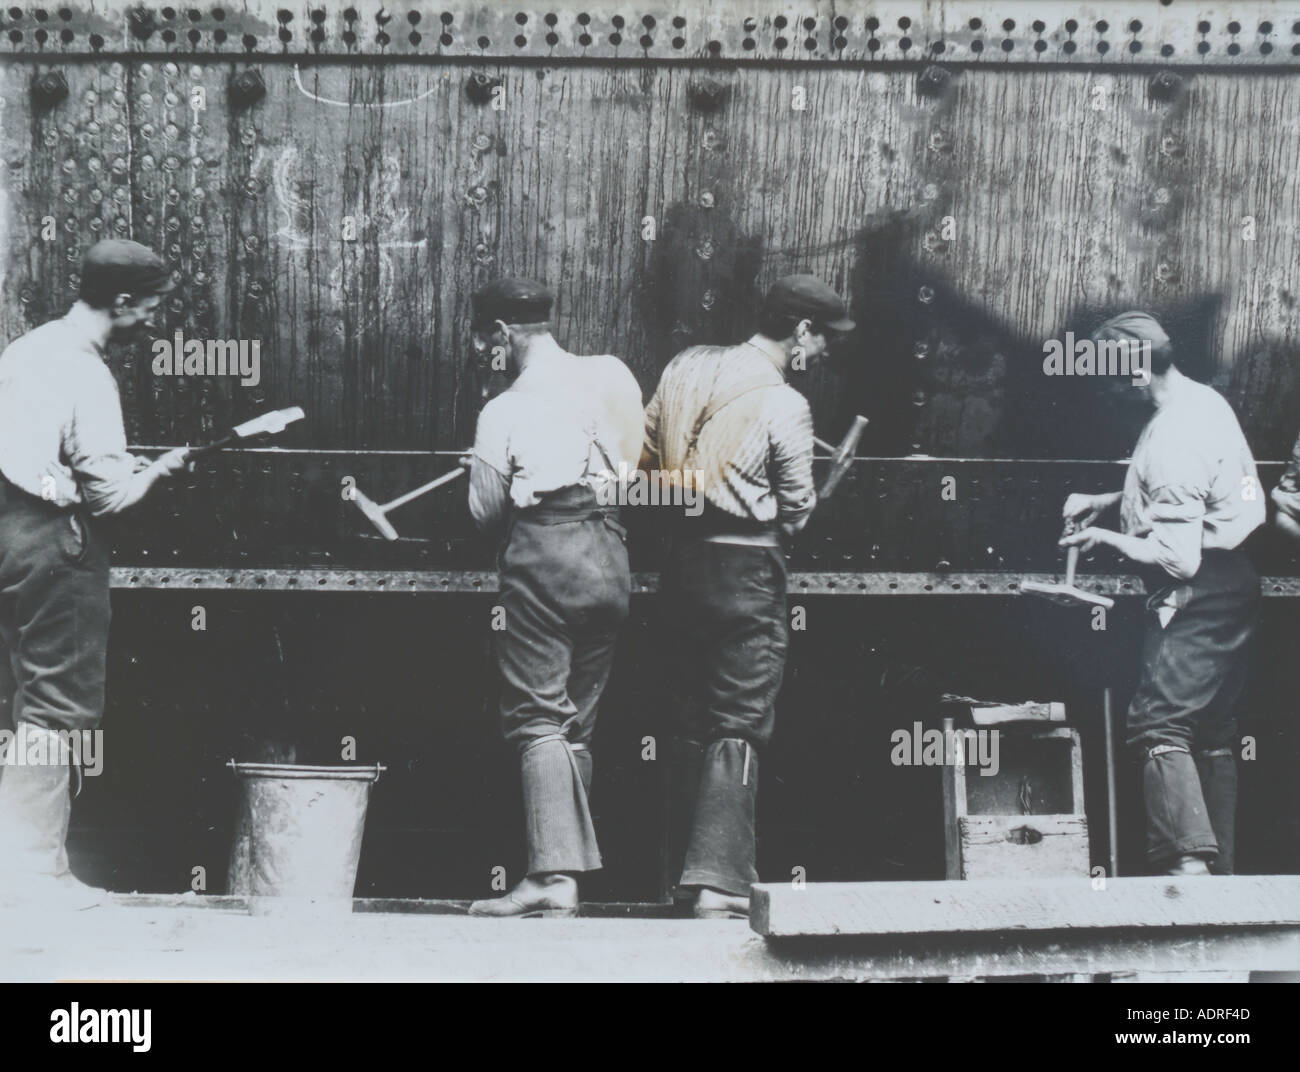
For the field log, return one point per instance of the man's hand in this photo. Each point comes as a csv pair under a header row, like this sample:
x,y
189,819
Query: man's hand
x,y
1088,538
1083,509
173,462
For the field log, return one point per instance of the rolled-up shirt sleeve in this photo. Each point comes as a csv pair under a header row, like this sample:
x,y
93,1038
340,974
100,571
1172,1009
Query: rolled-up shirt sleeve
x,y
94,443
490,470
791,437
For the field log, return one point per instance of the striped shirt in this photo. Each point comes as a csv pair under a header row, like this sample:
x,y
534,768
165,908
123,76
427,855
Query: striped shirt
x,y
753,455
1192,484
61,432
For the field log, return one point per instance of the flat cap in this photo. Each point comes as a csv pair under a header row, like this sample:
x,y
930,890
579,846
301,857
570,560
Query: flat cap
x,y
1133,326
512,300
118,266
807,297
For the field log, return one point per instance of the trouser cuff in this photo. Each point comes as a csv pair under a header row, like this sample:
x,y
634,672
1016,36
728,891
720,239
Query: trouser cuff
x,y
561,836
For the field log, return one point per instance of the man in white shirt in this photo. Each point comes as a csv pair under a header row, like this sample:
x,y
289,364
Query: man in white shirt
x,y
1191,498
545,453
63,464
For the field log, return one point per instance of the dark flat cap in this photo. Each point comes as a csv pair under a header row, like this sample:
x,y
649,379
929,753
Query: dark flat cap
x,y
805,297
1133,326
117,266
512,300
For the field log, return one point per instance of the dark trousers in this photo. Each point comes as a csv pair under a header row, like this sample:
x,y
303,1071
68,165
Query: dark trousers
x,y
54,614
565,585
724,614
1183,718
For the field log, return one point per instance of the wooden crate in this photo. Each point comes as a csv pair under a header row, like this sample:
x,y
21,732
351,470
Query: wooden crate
x,y
1025,820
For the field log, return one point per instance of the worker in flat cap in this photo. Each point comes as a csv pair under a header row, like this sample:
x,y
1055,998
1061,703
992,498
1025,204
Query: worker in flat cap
x,y
1191,497
63,466
1286,496
726,415
547,453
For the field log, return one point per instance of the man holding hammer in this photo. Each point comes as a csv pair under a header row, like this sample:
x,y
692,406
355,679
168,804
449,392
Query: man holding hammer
x,y
63,465
545,452
1190,499
727,414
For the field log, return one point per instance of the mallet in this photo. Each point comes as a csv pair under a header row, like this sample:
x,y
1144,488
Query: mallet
x,y
841,456
272,423
377,513
1067,595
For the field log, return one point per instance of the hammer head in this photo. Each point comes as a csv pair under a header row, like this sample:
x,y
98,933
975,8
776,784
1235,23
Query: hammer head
x,y
272,423
843,457
374,513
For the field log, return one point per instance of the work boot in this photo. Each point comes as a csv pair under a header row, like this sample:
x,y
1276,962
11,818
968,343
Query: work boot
x,y
1218,771
34,813
714,904
536,897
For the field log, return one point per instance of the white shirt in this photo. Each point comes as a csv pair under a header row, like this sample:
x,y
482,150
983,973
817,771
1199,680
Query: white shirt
x,y
61,431
568,420
1192,483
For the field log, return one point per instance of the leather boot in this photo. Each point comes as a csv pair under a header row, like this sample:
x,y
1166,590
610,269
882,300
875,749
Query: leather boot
x,y
34,812
1218,771
1177,822
714,904
1188,865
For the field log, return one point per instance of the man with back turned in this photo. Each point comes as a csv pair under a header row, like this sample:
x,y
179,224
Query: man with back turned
x,y
544,454
727,415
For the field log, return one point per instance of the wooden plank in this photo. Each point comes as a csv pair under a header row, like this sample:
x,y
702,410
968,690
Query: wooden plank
x,y
165,942
953,779
1012,846
879,908
1000,714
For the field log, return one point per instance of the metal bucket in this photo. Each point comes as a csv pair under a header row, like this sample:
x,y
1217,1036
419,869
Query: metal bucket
x,y
298,841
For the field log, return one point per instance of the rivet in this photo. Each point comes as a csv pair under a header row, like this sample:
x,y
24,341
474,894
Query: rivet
x,y
91,97
252,244
196,72
709,299
69,166
51,139
120,225
706,199
96,195
92,127
925,295
146,100
704,250
170,68
147,162
482,142
170,99
171,132
248,138
147,131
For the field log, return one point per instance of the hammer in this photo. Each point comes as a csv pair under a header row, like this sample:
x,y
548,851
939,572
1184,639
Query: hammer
x,y
377,513
841,456
271,423
1067,595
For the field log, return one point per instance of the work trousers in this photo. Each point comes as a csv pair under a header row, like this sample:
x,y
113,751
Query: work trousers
x,y
724,620
565,585
54,614
1183,717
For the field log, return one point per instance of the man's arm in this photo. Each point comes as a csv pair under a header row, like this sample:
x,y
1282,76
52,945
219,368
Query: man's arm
x,y
490,470
95,446
791,436
1174,542
1286,496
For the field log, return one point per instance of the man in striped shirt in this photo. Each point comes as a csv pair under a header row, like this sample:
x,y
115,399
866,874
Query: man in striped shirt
x,y
726,416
